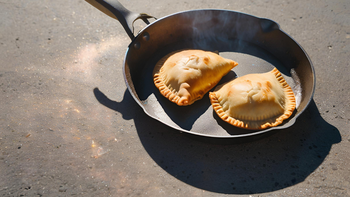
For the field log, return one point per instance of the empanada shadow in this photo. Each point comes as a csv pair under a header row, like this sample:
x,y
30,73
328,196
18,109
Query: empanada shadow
x,y
232,130
230,76
229,128
184,116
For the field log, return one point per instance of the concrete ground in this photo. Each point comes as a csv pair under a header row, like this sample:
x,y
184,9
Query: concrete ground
x,y
57,139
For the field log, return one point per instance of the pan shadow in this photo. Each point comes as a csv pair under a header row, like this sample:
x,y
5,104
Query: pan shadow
x,y
269,164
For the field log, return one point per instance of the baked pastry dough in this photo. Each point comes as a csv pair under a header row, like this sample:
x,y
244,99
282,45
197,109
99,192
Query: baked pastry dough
x,y
185,76
254,101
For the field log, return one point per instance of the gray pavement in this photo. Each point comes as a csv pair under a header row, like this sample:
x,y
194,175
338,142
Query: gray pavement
x,y
69,126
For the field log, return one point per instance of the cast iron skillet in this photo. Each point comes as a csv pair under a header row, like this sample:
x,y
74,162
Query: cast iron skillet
x,y
257,44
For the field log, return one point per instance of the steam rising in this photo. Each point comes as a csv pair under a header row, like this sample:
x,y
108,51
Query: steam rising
x,y
224,30
227,31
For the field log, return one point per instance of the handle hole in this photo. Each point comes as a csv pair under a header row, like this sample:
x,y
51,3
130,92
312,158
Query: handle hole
x,y
139,24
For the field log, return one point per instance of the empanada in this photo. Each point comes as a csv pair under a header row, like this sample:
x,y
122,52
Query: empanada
x,y
254,101
186,76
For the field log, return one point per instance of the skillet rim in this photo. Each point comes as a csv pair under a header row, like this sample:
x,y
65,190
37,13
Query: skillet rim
x,y
239,136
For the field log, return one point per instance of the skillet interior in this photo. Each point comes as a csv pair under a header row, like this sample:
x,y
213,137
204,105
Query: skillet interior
x,y
256,44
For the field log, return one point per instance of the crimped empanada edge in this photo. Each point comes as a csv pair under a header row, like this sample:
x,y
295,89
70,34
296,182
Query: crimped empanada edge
x,y
221,113
164,90
291,103
158,81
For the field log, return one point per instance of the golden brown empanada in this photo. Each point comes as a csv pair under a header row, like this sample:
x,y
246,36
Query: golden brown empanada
x,y
254,101
185,76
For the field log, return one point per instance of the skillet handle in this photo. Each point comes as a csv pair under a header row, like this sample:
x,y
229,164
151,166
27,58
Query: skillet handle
x,y
114,9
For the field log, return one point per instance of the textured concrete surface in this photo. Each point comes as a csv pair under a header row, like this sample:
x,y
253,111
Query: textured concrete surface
x,y
60,59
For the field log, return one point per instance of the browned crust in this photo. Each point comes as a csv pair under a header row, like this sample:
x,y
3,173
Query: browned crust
x,y
291,103
171,94
162,87
220,112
